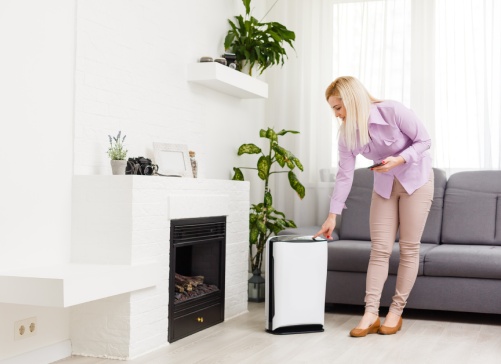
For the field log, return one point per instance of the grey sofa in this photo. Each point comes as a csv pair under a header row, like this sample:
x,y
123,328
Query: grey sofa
x,y
460,257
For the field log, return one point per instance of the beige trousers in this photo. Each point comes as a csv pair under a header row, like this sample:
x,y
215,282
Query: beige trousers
x,y
409,212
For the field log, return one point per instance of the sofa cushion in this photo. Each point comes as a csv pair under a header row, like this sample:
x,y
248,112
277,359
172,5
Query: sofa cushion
x,y
472,208
468,261
433,227
353,256
355,218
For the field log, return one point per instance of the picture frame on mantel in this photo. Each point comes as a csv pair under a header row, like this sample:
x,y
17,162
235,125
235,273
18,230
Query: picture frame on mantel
x,y
173,160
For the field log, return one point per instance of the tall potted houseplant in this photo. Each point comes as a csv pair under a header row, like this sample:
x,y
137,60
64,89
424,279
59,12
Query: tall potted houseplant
x,y
117,153
264,219
256,43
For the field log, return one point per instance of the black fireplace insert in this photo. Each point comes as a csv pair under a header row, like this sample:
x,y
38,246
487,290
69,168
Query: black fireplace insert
x,y
196,275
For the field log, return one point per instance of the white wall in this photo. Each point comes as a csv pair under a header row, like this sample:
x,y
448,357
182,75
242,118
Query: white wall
x,y
36,143
131,76
73,72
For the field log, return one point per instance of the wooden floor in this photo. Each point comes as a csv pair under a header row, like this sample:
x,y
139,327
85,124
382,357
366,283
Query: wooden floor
x,y
427,337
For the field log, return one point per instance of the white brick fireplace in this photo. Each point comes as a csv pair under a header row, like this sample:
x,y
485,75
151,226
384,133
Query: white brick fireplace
x,y
125,220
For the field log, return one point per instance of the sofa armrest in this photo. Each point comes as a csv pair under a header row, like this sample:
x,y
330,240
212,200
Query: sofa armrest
x,y
335,235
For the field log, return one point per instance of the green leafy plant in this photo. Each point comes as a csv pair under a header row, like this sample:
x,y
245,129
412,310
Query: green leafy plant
x,y
264,219
257,43
116,149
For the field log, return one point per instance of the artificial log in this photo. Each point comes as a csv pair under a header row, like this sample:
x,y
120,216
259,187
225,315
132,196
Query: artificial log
x,y
187,283
201,290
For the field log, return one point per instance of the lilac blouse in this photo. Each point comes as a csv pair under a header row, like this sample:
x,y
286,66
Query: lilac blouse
x,y
394,131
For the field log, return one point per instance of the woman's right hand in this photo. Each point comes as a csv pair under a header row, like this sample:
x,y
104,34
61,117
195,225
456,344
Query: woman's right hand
x,y
327,227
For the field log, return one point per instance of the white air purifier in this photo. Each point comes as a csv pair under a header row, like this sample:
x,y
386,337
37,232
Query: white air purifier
x,y
296,274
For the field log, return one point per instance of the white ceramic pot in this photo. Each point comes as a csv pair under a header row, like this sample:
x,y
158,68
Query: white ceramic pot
x,y
247,70
118,166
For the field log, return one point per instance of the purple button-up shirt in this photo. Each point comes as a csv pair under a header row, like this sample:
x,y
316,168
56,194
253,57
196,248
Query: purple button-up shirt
x,y
394,131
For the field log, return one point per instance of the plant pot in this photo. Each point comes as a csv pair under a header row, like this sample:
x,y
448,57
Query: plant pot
x,y
118,166
253,72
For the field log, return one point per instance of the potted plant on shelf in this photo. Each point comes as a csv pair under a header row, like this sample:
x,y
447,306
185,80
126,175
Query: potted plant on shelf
x,y
117,154
257,44
264,219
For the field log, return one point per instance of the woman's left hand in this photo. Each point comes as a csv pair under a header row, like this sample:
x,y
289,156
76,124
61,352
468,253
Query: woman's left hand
x,y
389,163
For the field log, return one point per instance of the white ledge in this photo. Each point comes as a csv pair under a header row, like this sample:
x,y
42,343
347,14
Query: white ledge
x,y
227,80
72,284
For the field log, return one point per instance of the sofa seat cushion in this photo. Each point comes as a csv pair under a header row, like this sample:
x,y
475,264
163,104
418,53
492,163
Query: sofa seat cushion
x,y
467,261
353,256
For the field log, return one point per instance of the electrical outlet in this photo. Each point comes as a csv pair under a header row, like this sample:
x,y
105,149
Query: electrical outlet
x,y
25,328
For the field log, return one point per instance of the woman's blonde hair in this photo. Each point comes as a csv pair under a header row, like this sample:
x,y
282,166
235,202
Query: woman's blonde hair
x,y
357,102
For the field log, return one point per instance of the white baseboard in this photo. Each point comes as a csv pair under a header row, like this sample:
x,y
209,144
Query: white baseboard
x,y
45,355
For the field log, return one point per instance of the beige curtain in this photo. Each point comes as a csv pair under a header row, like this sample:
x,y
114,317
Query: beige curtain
x,y
468,84
296,101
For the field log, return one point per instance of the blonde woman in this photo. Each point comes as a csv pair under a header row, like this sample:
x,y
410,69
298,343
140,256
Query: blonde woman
x,y
396,140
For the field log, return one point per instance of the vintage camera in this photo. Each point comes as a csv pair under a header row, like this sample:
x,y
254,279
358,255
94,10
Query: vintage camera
x,y
141,166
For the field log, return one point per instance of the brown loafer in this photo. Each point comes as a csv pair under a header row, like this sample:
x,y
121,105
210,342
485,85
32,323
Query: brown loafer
x,y
386,330
372,329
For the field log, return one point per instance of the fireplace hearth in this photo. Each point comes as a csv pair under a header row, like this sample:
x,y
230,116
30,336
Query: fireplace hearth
x,y
196,275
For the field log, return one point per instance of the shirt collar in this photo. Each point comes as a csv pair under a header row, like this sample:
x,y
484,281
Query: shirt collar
x,y
375,116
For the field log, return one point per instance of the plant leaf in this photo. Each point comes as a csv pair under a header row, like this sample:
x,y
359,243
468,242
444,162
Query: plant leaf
x,y
268,199
297,163
252,218
296,185
283,157
279,213
270,134
280,159
280,154
261,226
283,132
238,176
253,234
263,167
249,149
247,6
258,207
228,40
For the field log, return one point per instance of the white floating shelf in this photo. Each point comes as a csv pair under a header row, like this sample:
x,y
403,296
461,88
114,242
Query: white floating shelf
x,y
72,284
227,80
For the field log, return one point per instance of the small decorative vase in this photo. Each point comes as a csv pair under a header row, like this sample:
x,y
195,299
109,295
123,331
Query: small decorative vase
x,y
118,166
194,166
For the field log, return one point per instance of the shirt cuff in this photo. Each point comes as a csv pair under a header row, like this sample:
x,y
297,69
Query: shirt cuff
x,y
336,207
409,155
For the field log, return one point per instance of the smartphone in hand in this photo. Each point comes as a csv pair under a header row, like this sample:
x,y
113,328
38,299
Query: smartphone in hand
x,y
375,165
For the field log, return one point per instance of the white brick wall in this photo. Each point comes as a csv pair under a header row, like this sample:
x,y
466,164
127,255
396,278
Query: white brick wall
x,y
130,325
